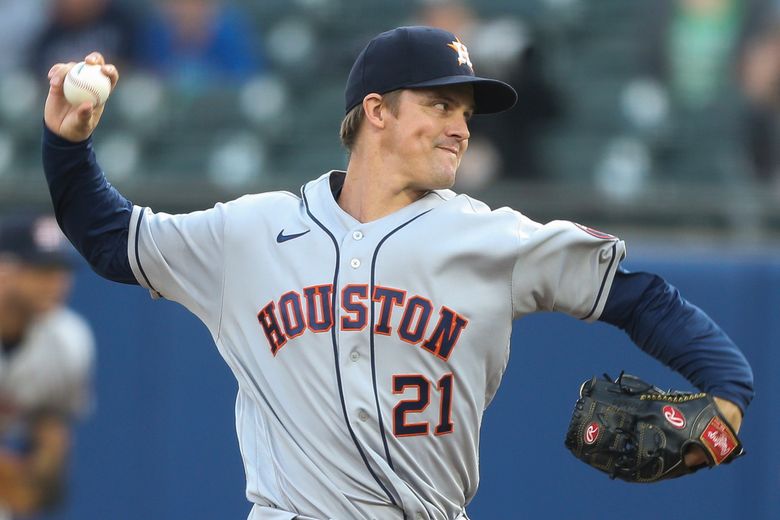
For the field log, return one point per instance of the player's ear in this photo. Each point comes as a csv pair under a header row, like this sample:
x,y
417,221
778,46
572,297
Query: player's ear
x,y
373,109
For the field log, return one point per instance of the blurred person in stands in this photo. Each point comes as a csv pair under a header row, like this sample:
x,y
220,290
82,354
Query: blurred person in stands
x,y
690,56
75,26
692,47
760,81
19,24
199,44
46,355
507,49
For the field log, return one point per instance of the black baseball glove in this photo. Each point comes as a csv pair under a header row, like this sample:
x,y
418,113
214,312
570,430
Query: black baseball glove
x,y
636,432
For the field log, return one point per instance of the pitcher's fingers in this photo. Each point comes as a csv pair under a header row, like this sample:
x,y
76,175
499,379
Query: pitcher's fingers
x,y
112,73
95,58
58,73
84,111
53,69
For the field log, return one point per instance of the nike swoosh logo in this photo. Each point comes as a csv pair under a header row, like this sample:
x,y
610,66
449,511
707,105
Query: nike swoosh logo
x,y
281,237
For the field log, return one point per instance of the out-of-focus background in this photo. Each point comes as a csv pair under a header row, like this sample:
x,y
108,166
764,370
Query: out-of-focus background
x,y
657,120
661,115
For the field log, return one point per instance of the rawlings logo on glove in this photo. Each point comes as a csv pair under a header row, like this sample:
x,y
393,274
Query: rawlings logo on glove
x,y
636,432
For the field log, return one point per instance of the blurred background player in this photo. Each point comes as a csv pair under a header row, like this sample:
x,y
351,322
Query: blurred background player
x,y
46,355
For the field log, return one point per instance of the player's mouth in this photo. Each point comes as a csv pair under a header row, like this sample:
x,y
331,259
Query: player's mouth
x,y
452,149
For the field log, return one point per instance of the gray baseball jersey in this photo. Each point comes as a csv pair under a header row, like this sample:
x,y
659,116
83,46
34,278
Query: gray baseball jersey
x,y
50,370
366,353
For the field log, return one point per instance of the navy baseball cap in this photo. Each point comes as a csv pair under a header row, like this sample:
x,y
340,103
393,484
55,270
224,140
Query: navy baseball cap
x,y
420,57
35,240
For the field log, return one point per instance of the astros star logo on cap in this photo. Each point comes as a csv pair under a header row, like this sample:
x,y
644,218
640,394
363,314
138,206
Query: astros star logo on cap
x,y
463,53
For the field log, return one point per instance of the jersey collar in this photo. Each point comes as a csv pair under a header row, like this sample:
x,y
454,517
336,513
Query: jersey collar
x,y
320,195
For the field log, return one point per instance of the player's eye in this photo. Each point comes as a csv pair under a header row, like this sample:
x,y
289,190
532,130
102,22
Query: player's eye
x,y
440,105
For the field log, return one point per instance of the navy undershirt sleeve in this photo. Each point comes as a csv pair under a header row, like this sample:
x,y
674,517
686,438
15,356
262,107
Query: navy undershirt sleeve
x,y
93,214
679,334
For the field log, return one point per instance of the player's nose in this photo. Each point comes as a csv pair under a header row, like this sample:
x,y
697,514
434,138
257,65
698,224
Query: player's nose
x,y
459,128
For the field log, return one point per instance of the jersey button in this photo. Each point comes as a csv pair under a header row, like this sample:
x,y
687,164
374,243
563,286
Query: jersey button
x,y
355,263
357,235
354,356
363,416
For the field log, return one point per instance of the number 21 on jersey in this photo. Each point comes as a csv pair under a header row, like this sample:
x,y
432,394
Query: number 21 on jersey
x,y
401,425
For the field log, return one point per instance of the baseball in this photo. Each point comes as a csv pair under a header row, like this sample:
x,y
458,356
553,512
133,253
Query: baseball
x,y
86,83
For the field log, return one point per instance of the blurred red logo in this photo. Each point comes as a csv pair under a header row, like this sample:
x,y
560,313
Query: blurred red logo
x,y
674,417
591,433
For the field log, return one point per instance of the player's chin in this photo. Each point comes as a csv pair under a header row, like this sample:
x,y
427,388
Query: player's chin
x,y
444,179
445,173
449,175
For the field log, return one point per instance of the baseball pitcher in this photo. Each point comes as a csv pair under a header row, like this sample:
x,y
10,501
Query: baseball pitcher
x,y
367,317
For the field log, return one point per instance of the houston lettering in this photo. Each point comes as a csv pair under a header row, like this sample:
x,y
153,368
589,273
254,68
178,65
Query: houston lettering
x,y
417,320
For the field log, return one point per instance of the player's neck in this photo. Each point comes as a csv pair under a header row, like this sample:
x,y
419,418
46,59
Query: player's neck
x,y
369,193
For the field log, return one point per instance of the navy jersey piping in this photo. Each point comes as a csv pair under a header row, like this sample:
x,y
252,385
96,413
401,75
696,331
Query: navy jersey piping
x,y
336,355
603,283
371,335
137,256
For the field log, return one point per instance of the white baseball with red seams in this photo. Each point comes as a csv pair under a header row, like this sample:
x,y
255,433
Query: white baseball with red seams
x,y
85,82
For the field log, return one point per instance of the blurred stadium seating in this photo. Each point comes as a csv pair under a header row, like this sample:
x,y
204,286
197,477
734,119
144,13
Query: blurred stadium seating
x,y
607,166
